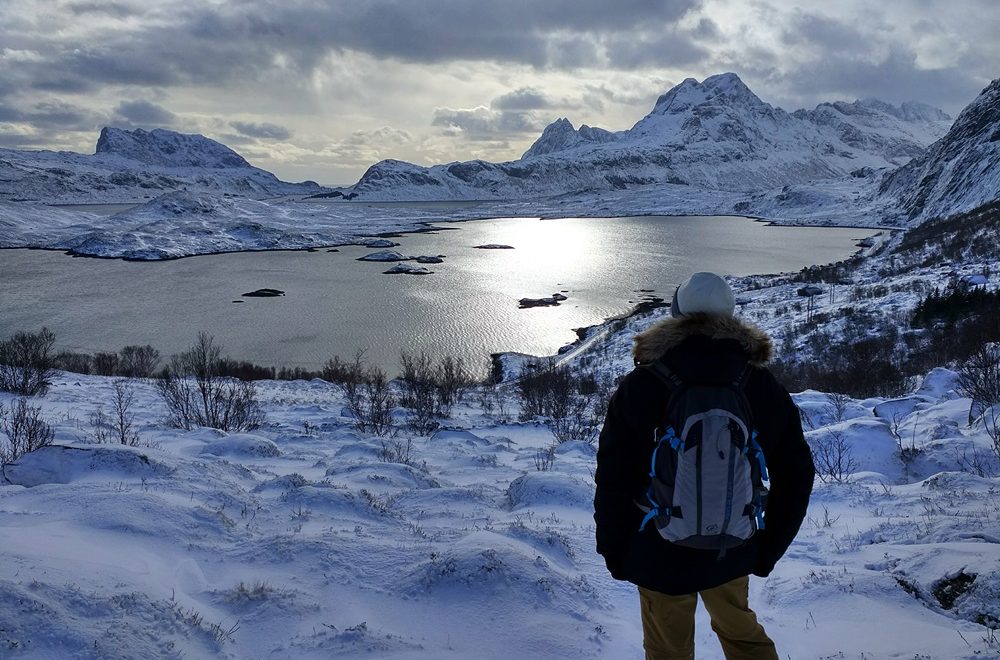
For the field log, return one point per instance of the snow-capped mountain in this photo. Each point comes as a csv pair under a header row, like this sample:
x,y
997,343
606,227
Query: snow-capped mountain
x,y
715,134
131,166
959,172
168,149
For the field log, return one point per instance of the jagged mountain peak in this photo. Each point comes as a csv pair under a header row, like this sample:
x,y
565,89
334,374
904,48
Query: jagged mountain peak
x,y
560,135
723,87
168,148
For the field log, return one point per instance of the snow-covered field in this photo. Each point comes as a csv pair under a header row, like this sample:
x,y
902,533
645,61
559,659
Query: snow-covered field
x,y
299,541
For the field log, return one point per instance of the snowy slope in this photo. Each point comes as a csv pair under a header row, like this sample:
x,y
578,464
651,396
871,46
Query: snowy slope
x,y
959,172
298,540
132,166
716,134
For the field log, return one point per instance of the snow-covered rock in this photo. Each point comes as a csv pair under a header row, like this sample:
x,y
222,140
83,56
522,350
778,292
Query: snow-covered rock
x,y
959,172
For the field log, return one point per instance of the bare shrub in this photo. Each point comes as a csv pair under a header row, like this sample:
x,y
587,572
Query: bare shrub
x,y
431,390
138,361
545,458
493,400
27,363
838,404
106,364
544,389
420,392
197,395
453,382
397,451
834,457
122,423
979,379
78,363
25,429
366,389
573,404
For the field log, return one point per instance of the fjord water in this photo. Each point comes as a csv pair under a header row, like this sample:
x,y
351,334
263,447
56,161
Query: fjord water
x,y
336,305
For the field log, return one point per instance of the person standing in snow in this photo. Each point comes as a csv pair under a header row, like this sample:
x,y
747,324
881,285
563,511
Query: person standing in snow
x,y
701,343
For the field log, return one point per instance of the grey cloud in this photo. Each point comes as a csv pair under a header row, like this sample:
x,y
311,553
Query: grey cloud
x,y
51,115
524,98
706,29
895,78
663,50
263,130
485,124
821,33
112,9
193,43
143,113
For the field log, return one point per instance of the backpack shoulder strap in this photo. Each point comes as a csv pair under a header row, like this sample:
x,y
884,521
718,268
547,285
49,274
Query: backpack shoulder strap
x,y
664,373
741,381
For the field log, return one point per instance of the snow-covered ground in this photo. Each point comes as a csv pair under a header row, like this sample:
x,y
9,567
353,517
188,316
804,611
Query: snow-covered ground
x,y
299,541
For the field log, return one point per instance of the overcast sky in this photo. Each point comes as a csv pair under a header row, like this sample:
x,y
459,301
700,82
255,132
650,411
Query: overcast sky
x,y
322,89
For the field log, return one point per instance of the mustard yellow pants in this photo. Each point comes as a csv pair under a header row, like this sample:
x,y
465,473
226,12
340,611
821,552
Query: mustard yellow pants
x,y
668,623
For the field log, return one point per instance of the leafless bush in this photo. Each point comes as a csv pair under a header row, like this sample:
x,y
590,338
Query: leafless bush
x,y
573,404
27,363
834,457
431,390
78,363
25,429
105,364
453,382
976,461
545,390
979,379
138,361
397,451
196,395
420,393
493,401
545,458
367,391
839,403
122,422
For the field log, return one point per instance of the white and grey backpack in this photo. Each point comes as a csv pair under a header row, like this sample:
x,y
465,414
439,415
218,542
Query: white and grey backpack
x,y
707,473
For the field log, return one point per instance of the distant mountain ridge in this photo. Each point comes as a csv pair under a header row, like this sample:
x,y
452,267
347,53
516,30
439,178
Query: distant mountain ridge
x,y
133,165
716,134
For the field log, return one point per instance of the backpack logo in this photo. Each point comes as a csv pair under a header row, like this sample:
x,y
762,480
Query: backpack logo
x,y
708,471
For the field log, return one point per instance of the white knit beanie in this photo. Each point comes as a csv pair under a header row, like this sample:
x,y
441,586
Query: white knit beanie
x,y
704,293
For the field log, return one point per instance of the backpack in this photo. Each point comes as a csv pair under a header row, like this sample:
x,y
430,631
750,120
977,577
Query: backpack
x,y
707,473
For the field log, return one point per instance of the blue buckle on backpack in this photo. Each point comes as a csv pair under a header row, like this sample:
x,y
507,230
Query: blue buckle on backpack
x,y
652,513
676,443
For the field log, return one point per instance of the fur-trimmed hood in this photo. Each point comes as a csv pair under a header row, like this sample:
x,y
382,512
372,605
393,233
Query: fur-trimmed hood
x,y
651,344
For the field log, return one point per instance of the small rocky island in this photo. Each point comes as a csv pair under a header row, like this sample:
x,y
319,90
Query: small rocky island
x,y
264,293
550,301
407,269
384,255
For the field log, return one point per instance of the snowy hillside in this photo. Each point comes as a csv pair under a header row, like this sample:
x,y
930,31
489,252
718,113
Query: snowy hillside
x,y
716,134
958,172
133,166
